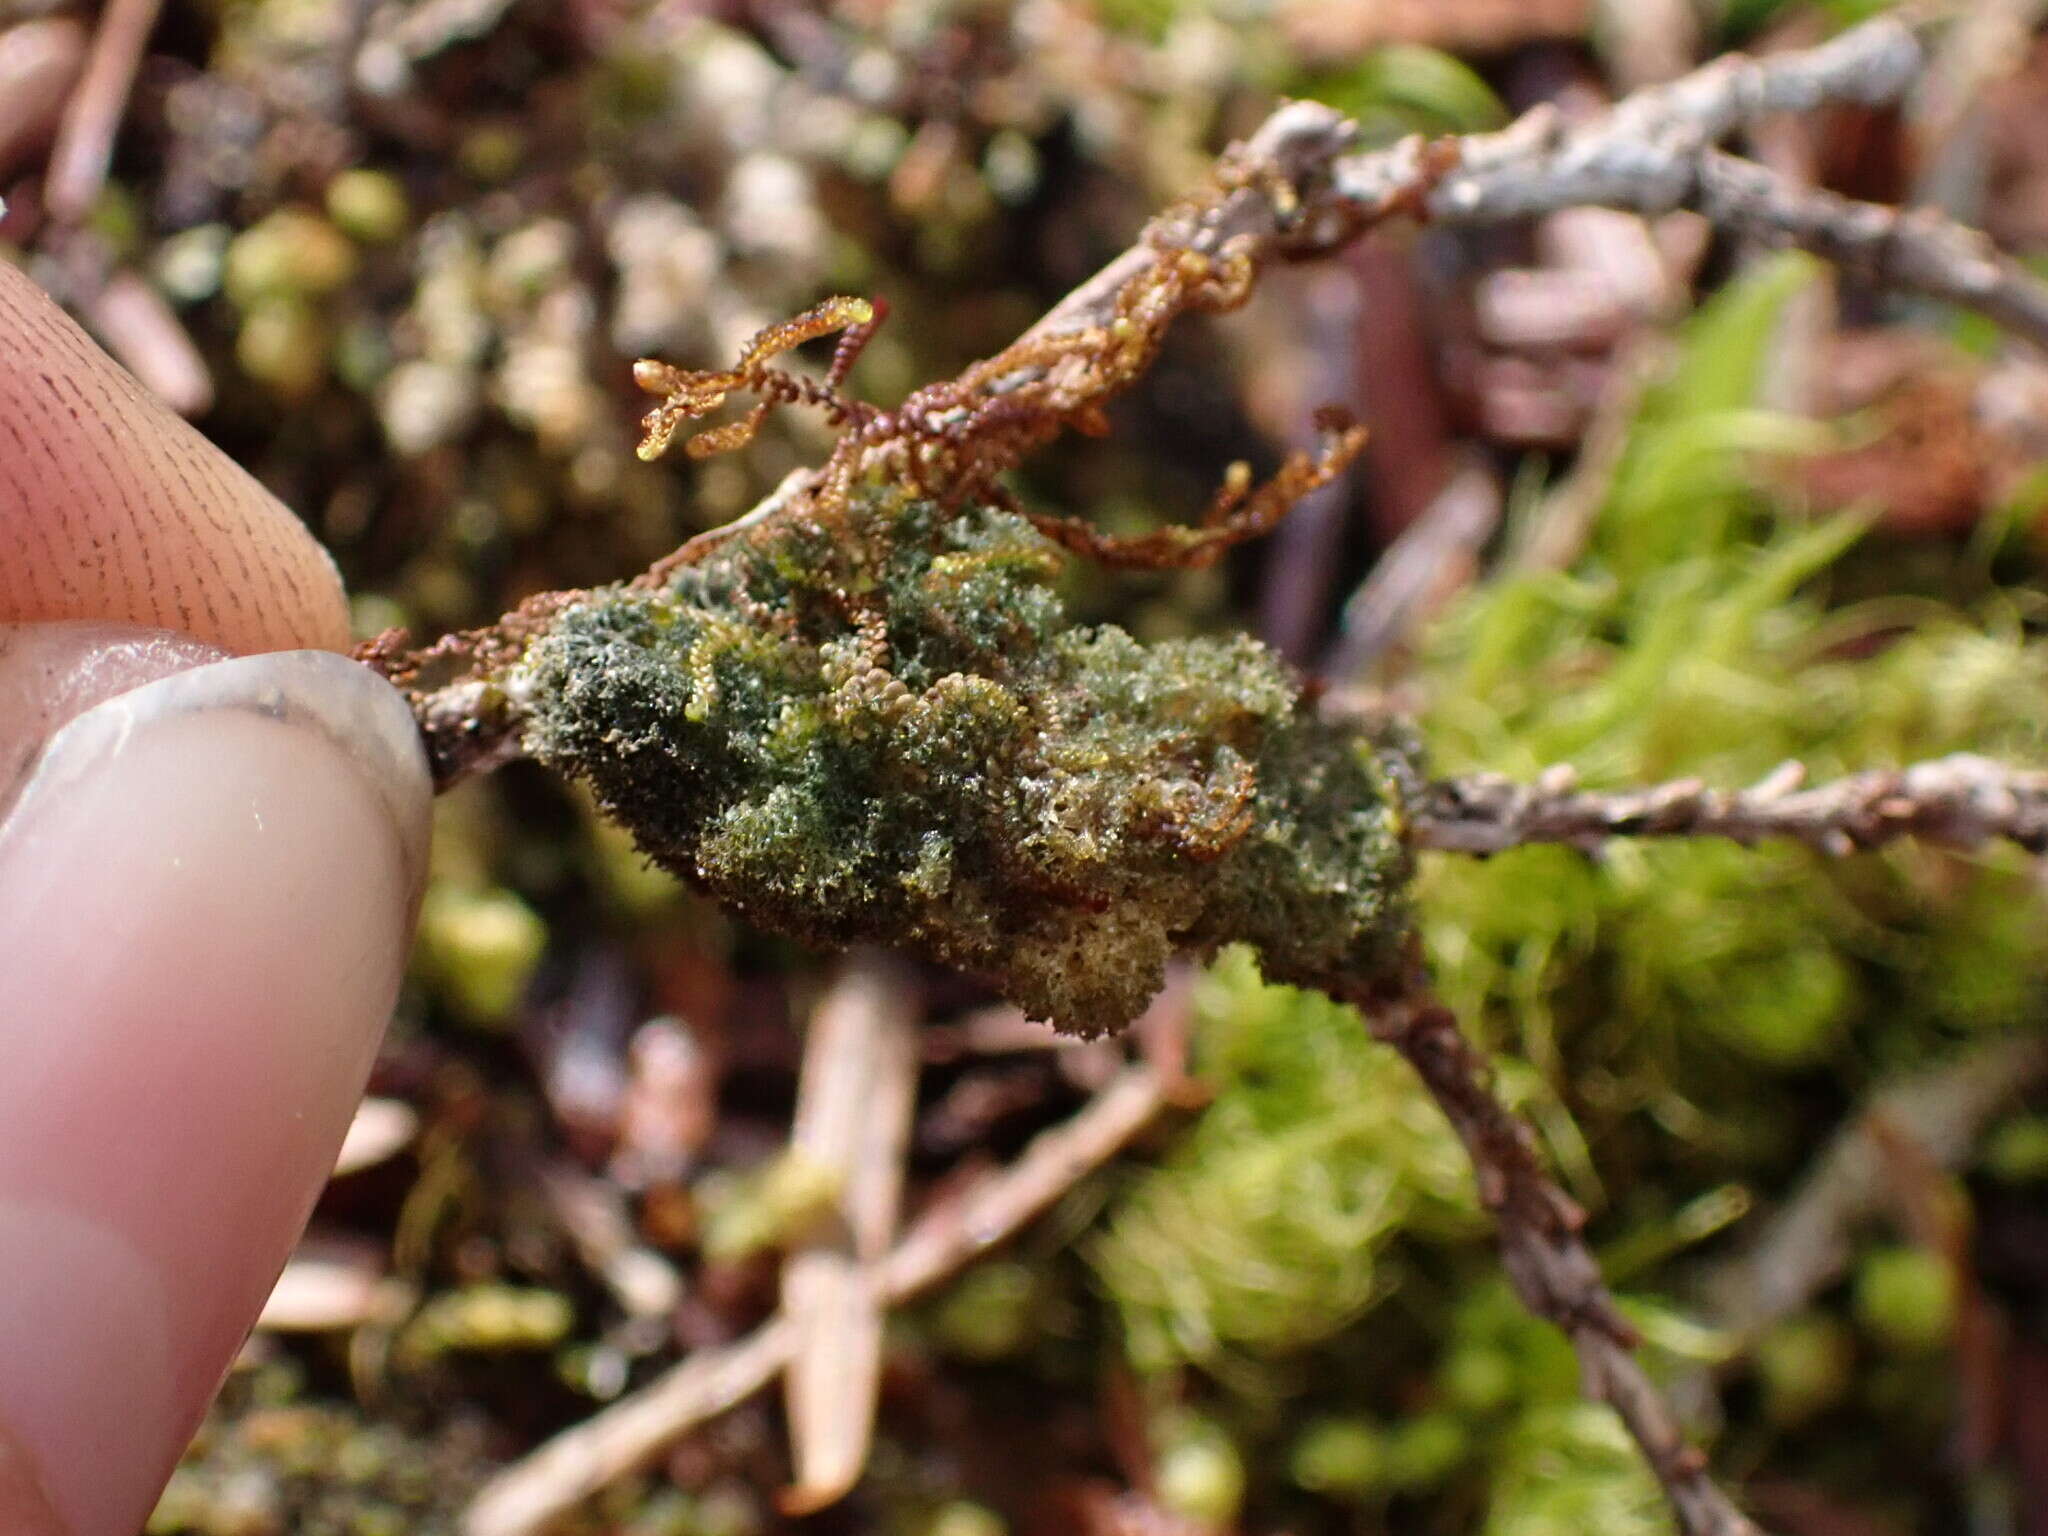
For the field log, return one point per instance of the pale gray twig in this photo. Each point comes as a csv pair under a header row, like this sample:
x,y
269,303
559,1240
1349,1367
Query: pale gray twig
x,y
92,117
853,1109
625,1437
1961,801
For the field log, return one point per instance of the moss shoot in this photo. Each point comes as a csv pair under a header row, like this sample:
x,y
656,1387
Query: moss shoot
x,y
873,721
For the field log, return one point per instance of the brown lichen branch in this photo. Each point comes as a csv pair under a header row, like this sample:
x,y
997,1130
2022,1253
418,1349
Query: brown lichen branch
x,y
1960,801
1541,1247
625,1437
1295,189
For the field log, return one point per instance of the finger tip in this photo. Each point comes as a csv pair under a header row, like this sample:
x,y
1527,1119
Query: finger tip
x,y
113,509
211,882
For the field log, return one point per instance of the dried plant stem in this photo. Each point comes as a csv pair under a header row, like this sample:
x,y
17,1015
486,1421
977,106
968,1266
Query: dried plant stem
x,y
853,1112
625,1437
1546,1260
92,118
1960,801
1809,1243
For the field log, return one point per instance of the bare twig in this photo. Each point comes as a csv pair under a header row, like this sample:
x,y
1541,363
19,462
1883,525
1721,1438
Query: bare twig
x,y
85,138
592,1213
1562,524
1546,1260
1962,801
623,1438
853,1109
1807,1245
145,333
1945,113
1646,43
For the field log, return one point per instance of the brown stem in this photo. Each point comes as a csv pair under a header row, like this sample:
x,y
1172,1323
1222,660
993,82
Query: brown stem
x,y
1541,1247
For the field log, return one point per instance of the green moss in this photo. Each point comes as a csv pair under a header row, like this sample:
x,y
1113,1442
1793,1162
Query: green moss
x,y
880,726
1571,1468
1262,1231
1694,634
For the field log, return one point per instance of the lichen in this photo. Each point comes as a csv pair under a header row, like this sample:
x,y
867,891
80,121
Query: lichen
x,y
873,721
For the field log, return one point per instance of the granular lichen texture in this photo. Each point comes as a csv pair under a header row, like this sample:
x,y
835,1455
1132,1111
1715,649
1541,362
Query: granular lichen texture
x,y
870,719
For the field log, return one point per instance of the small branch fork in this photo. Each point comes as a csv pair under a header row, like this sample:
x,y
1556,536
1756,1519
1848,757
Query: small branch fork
x,y
1961,801
1544,1255
1655,152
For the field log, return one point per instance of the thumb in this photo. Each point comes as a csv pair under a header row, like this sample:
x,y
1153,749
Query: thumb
x,y
208,870
206,888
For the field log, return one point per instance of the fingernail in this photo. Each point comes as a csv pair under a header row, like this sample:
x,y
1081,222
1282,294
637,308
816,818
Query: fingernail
x,y
52,672
206,890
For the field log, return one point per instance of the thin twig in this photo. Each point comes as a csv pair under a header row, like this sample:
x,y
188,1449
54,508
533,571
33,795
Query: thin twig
x,y
1545,1257
92,118
1809,1243
853,1109
1945,114
40,62
1565,519
625,1437
1960,801
1435,556
592,1214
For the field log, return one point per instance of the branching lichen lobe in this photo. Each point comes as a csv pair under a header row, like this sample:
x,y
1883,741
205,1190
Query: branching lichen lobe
x,y
881,727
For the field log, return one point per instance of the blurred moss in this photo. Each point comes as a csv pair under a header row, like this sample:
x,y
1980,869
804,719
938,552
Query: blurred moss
x,y
291,253
370,206
1260,1231
767,1207
477,948
1568,1469
1343,1458
1906,1298
1199,1473
987,1313
2016,1152
1805,1364
487,1319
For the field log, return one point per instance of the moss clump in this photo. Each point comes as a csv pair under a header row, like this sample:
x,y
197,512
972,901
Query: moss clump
x,y
872,721
1261,1233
